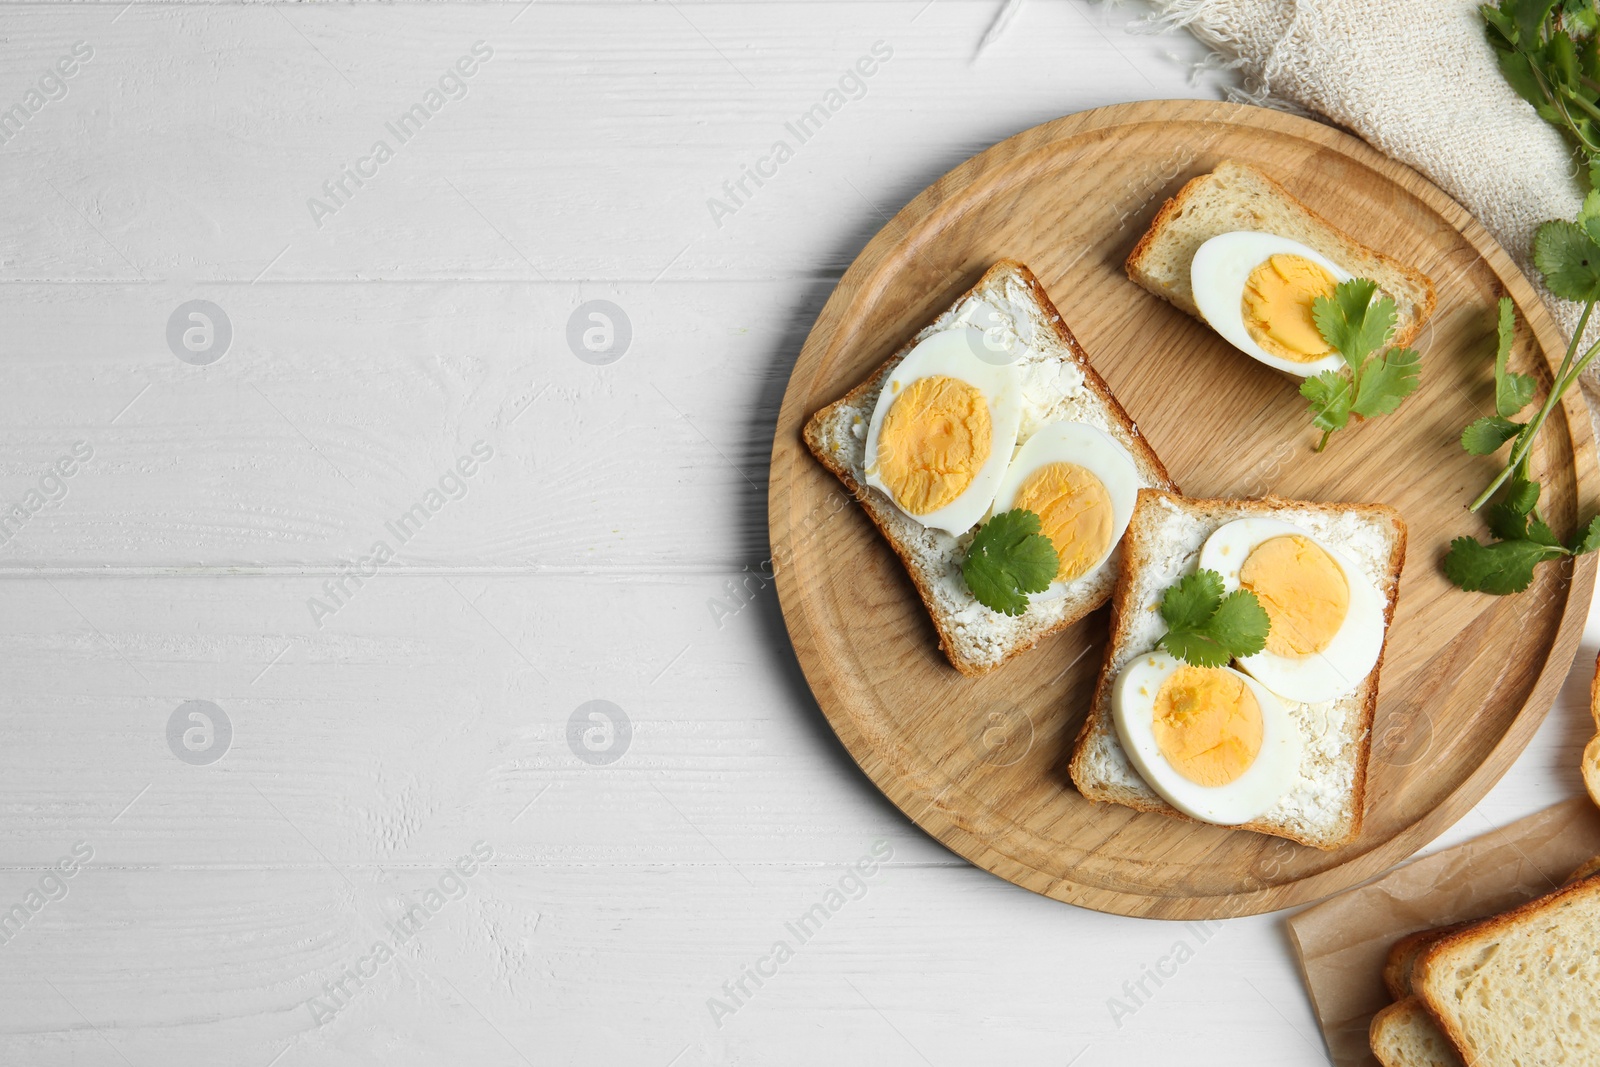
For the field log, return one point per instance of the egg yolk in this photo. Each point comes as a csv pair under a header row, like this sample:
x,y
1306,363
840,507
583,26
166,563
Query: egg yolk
x,y
1303,591
935,438
1074,512
1277,307
1207,724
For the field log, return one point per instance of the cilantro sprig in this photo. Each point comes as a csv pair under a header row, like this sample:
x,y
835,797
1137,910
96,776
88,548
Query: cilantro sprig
x,y
1548,52
1567,254
1009,559
1206,628
1369,384
1523,540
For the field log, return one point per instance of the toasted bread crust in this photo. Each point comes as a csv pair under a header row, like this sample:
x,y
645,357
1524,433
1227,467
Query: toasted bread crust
x,y
1135,263
1092,380
1078,768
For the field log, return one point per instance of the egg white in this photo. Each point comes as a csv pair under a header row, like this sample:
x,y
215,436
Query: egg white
x,y
1252,794
1355,648
1218,274
1096,452
954,354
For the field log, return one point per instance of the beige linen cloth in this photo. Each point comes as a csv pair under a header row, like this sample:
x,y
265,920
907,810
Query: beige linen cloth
x,y
1415,78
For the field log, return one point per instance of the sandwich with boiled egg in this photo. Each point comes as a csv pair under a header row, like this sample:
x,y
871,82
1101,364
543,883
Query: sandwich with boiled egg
x,y
1275,741
1242,254
992,408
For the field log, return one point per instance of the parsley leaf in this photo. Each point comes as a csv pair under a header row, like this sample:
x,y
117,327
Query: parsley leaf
x,y
1206,628
1512,392
1569,259
1356,325
1485,436
1501,568
1009,559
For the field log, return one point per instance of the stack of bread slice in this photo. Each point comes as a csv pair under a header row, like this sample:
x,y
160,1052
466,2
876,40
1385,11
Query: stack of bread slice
x,y
1519,989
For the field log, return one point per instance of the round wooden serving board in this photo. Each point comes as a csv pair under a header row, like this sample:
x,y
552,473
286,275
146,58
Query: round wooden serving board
x,y
981,763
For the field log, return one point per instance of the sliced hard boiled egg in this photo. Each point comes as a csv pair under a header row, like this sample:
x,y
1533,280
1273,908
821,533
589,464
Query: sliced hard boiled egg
x,y
1082,484
1327,618
1214,743
1256,290
943,430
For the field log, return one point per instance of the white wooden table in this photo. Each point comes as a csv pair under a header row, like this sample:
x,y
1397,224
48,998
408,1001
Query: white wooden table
x,y
232,869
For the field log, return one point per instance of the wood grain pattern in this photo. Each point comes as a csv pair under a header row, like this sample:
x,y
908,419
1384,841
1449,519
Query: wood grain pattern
x,y
1467,678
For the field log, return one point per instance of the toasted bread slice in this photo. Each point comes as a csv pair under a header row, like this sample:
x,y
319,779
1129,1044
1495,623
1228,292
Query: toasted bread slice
x,y
1405,1035
1059,384
1522,987
1237,196
1163,541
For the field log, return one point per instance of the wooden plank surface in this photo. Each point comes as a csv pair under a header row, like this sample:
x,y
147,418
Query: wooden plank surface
x,y
421,718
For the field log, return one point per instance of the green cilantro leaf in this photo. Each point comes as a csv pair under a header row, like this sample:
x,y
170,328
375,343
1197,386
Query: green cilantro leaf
x,y
1330,396
1385,381
1589,540
1523,495
1501,568
1241,623
1352,322
1008,560
1512,392
1206,628
1589,210
1569,259
1518,72
1562,53
1357,326
1539,533
1485,436
1581,16
1507,523
1190,603
1529,16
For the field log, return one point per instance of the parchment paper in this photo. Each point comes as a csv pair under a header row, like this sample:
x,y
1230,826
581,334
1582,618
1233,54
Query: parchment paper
x,y
1343,942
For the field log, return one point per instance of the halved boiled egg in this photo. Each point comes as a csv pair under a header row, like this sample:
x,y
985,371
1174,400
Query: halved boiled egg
x,y
943,430
1327,618
1214,743
1256,290
1082,484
